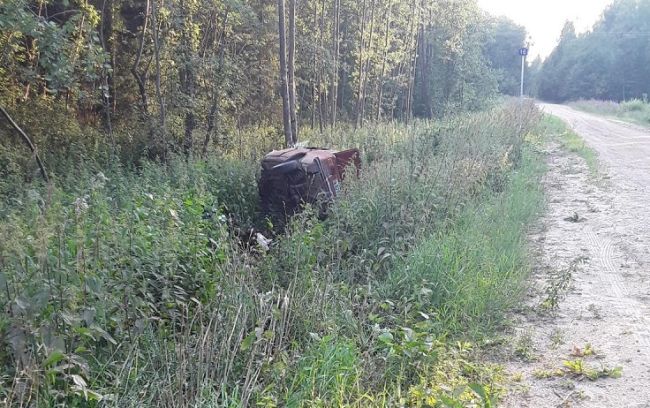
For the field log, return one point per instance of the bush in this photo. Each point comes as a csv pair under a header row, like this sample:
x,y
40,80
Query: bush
x,y
635,110
634,105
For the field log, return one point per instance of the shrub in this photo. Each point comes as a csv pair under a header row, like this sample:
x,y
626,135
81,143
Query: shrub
x,y
634,105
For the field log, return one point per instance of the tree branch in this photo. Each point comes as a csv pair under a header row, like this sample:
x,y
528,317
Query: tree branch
x,y
28,141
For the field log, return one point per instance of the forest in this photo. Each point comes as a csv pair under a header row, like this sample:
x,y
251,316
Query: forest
x,y
609,62
131,133
148,77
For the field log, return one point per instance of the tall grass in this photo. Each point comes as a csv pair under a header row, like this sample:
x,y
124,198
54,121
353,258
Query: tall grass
x,y
134,289
473,270
635,110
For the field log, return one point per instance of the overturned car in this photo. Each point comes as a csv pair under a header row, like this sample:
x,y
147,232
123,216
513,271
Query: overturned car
x,y
295,176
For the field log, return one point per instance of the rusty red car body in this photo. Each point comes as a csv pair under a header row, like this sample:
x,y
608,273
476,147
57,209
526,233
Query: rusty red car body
x,y
292,177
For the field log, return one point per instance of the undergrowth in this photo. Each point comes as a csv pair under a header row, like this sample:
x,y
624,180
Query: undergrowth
x,y
635,110
138,287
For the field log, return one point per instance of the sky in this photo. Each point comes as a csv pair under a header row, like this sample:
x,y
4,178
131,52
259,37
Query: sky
x,y
544,19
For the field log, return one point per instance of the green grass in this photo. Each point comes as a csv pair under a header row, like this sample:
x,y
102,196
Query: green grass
x,y
473,270
570,141
121,292
634,111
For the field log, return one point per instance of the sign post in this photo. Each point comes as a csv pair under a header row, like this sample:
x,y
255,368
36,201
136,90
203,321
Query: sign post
x,y
523,52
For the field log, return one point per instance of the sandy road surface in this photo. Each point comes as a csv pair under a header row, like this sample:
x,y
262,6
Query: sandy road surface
x,y
624,148
606,257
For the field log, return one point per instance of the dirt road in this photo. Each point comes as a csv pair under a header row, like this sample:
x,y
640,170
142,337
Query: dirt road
x,y
623,148
590,304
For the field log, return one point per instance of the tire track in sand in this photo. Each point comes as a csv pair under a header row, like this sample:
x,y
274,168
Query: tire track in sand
x,y
608,306
609,275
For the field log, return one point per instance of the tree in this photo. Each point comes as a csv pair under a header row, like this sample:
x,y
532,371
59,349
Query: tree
x,y
292,71
336,44
504,39
284,85
612,61
151,75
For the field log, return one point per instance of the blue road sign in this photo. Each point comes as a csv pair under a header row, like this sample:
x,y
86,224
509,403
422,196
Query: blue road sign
x,y
523,51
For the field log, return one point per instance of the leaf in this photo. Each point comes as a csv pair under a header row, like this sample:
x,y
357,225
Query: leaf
x,y
53,358
248,342
268,335
386,337
88,316
450,402
22,303
85,332
78,380
482,392
104,334
458,391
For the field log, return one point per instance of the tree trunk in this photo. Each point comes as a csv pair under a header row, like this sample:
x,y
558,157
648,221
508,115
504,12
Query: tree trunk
x,y
421,98
335,47
292,69
380,82
315,75
364,79
161,142
213,115
28,142
360,62
187,82
105,35
141,78
188,140
414,56
423,93
319,89
284,86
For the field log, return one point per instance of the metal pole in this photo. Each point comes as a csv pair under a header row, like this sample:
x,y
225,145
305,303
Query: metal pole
x,y
523,65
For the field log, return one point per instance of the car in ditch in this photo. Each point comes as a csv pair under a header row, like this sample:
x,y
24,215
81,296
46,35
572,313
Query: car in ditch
x,y
296,176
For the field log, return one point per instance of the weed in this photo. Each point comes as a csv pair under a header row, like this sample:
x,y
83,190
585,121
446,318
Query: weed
x,y
585,351
546,374
635,110
444,386
517,377
558,284
328,372
557,338
525,347
579,370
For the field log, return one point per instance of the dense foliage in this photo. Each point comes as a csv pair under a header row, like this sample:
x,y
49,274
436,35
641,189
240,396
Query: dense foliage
x,y
611,62
634,110
160,76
